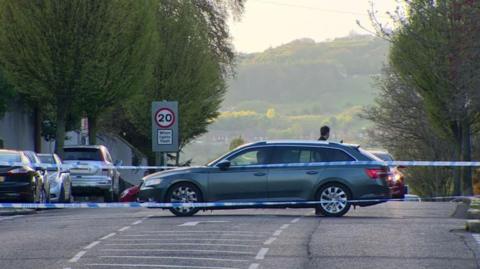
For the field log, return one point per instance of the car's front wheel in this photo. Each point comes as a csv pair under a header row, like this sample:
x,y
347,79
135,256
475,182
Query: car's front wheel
x,y
333,198
184,193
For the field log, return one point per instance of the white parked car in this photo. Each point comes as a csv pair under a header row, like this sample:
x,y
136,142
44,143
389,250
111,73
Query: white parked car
x,y
93,172
59,179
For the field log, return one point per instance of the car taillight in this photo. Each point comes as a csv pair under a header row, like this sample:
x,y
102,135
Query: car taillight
x,y
17,171
376,173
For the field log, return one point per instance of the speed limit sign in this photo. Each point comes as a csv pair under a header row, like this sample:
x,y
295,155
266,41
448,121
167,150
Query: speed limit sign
x,y
165,126
165,117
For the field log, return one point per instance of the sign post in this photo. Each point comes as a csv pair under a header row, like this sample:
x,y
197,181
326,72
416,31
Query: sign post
x,y
164,128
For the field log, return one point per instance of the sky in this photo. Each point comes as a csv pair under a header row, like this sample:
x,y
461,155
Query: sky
x,y
270,23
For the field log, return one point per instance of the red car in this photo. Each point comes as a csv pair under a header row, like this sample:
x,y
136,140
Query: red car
x,y
396,180
130,194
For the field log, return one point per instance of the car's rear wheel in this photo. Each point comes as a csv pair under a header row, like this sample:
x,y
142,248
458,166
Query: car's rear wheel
x,y
333,198
184,193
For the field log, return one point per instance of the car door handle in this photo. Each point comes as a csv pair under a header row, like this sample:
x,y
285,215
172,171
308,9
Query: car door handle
x,y
259,174
312,172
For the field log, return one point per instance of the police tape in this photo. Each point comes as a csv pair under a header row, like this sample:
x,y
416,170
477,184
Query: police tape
x,y
219,205
316,164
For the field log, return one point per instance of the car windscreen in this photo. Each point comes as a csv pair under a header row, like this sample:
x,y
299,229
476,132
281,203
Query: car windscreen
x,y
47,159
82,154
10,157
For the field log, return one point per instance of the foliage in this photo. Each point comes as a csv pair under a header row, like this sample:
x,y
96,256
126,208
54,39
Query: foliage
x,y
435,51
236,142
403,128
58,52
7,93
190,58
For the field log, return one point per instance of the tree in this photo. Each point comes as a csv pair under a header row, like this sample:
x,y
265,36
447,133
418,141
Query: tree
x,y
58,52
119,70
401,126
435,50
189,63
236,142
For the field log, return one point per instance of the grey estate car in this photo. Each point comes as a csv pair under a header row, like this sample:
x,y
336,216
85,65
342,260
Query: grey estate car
x,y
275,171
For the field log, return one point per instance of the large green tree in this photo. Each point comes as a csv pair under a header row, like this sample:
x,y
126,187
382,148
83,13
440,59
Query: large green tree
x,y
191,57
65,54
435,50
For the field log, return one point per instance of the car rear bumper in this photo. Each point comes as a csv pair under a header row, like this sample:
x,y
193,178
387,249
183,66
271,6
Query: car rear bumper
x,y
90,184
16,192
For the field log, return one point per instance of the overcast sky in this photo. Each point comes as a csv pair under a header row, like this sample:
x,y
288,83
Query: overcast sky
x,y
270,23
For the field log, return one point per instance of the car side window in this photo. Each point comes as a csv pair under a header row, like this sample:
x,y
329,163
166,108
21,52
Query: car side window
x,y
291,155
330,155
250,157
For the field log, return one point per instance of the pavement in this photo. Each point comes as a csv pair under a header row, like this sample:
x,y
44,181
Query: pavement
x,y
391,235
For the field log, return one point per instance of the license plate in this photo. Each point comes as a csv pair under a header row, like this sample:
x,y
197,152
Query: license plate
x,y
2,179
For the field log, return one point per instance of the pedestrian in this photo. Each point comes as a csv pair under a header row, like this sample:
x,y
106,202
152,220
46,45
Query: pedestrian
x,y
324,133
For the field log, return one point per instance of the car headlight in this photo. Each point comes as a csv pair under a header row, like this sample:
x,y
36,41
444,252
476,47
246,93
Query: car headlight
x,y
152,182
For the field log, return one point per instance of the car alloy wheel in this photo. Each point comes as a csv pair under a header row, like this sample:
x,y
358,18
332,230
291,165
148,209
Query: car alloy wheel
x,y
184,193
333,200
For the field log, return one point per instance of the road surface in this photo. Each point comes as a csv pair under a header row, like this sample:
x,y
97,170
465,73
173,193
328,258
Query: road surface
x,y
391,235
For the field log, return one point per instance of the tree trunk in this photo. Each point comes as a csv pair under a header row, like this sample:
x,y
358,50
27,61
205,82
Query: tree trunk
x,y
467,188
60,131
457,171
92,130
37,129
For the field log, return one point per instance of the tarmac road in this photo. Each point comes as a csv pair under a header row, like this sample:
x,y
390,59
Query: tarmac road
x,y
391,235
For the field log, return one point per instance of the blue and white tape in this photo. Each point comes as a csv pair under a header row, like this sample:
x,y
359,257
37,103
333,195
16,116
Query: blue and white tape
x,y
206,205
317,164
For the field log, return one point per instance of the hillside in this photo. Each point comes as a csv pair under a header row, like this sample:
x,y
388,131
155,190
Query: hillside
x,y
323,77
291,90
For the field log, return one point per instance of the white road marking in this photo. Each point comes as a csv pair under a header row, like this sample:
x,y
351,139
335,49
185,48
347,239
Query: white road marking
x,y
137,222
203,231
108,236
188,235
187,239
11,217
77,256
124,229
182,250
173,258
157,266
261,254
180,244
270,240
277,232
194,223
92,245
284,226
295,220
253,266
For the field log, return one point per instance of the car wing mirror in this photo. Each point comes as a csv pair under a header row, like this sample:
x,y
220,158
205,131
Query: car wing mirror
x,y
224,164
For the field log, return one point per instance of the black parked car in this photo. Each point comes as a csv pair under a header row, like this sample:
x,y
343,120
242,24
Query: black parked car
x,y
21,182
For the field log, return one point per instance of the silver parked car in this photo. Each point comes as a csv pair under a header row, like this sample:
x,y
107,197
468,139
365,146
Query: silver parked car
x,y
59,179
93,172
